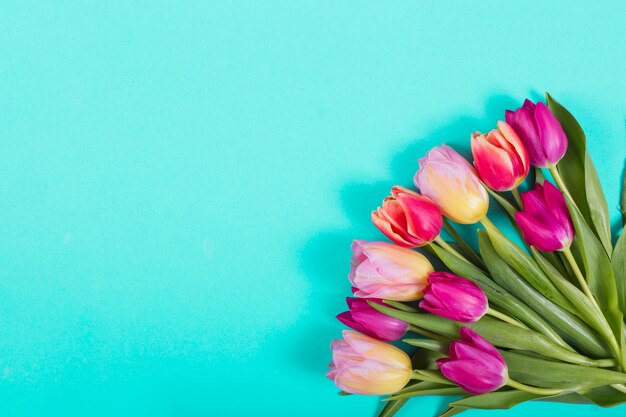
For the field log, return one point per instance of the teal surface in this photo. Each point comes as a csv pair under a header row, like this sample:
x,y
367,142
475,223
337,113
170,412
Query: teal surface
x,y
180,182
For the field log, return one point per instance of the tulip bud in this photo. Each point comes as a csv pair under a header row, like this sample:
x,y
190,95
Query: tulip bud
x,y
387,271
409,219
474,364
500,158
364,318
362,365
455,298
451,182
541,133
545,222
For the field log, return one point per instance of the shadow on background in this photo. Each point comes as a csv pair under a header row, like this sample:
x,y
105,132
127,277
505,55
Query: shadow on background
x,y
326,256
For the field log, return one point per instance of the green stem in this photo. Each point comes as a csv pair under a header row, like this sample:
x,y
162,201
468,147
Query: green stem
x,y
400,306
619,387
559,181
462,243
426,333
449,248
505,318
432,376
579,275
535,390
517,197
488,224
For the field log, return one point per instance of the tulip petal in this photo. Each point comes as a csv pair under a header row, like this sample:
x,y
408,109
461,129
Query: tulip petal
x,y
553,137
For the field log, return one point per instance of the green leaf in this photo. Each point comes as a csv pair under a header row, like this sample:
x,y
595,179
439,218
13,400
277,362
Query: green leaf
x,y
622,205
571,328
464,247
599,270
521,262
452,411
580,175
551,374
619,270
498,296
499,400
425,388
433,345
605,396
497,332
586,309
392,407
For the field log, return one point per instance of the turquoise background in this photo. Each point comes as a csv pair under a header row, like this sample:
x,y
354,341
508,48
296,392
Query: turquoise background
x,y
181,180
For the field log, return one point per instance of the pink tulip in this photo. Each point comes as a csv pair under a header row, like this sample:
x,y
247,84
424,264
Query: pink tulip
x,y
362,365
451,182
545,222
366,319
387,271
454,298
409,219
541,133
474,364
500,158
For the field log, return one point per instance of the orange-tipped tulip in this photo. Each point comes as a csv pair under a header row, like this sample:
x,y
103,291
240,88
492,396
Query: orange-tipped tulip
x,y
451,182
500,158
363,365
409,219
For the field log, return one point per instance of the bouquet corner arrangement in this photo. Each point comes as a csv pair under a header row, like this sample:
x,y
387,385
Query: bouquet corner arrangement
x,y
536,315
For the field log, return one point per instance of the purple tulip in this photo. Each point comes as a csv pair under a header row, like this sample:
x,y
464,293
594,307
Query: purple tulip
x,y
474,364
455,298
541,133
366,319
545,222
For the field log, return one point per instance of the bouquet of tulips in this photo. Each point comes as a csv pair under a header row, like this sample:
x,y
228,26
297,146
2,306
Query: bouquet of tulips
x,y
500,323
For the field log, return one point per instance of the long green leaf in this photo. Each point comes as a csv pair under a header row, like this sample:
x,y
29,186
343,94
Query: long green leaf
x,y
526,266
497,332
498,296
499,400
452,411
605,396
392,407
586,309
598,270
619,270
571,328
551,374
580,175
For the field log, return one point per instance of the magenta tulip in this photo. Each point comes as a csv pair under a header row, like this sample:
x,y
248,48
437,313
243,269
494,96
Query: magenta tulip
x,y
455,298
366,319
545,222
408,218
474,364
363,365
541,133
387,271
500,158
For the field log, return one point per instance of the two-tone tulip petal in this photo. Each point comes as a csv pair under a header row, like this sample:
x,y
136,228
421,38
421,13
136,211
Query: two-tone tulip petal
x,y
408,218
363,365
364,318
500,158
387,271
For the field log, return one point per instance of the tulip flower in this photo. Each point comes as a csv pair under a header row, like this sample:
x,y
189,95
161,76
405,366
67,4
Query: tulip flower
x,y
387,271
455,298
451,182
541,133
500,158
545,222
409,219
474,364
366,319
362,365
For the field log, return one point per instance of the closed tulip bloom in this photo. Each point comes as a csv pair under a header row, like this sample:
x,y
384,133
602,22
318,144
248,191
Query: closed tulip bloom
x,y
364,318
541,133
474,364
387,271
455,298
363,365
545,222
451,182
409,219
500,158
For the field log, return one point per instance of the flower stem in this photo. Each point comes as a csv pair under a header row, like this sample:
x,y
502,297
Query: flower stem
x,y
400,306
517,197
505,318
426,333
579,275
559,181
535,390
428,375
449,248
